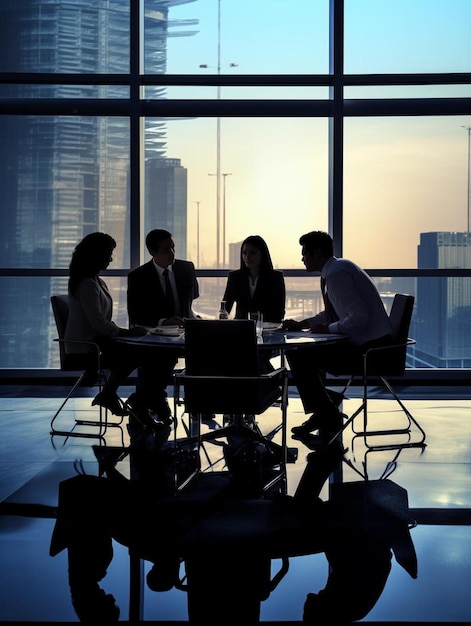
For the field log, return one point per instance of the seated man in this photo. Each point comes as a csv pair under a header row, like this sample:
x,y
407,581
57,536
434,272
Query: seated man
x,y
354,309
160,292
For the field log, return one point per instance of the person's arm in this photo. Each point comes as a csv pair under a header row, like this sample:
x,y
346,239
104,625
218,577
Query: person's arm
x,y
229,293
347,302
280,293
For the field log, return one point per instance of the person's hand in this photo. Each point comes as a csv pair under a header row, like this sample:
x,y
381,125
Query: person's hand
x,y
173,321
291,325
136,331
320,329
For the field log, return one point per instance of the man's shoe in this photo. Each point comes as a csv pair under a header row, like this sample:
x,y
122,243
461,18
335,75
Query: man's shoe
x,y
326,424
313,423
110,401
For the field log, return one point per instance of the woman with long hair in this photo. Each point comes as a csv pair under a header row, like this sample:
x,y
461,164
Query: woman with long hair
x,y
256,286
90,313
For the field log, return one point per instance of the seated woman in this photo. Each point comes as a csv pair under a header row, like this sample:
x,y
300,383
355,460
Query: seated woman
x,y
256,286
90,313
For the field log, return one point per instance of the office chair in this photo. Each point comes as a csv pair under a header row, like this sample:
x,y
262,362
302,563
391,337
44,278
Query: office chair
x,y
382,362
223,375
92,373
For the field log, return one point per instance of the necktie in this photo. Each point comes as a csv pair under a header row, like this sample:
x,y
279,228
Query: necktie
x,y
169,299
333,317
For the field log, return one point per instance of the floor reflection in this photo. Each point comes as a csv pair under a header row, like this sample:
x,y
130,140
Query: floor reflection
x,y
319,549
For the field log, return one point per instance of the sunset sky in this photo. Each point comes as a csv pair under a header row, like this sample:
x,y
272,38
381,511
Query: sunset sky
x,y
403,176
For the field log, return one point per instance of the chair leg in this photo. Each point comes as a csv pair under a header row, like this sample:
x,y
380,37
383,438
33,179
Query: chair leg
x,y
101,424
406,430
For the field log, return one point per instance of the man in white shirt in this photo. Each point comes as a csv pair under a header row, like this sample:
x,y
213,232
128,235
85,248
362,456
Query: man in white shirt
x,y
354,309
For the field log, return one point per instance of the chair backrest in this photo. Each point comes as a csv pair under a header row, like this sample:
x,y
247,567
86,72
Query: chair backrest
x,y
391,361
221,348
60,310
69,362
225,348
401,316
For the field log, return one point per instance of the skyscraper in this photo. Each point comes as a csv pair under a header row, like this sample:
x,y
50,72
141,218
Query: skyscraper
x,y
65,176
443,320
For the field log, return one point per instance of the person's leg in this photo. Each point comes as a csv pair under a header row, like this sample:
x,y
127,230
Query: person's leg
x,y
153,377
308,366
120,362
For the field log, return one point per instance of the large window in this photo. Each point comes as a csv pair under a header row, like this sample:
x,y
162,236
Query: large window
x,y
235,118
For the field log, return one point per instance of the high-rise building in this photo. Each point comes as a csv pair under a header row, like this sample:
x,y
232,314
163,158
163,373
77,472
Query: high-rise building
x,y
443,320
65,176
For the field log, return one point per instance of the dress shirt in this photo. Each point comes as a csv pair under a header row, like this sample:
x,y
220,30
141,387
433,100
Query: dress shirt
x,y
355,300
171,277
252,285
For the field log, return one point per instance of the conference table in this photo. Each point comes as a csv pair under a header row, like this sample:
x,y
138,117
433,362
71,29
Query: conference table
x,y
273,339
275,344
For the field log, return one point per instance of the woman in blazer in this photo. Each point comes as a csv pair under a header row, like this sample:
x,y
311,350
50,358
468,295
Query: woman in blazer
x,y
90,312
256,286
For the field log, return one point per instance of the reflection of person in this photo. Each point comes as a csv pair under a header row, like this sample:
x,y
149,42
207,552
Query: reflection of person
x,y
90,312
149,306
256,286
354,309
221,530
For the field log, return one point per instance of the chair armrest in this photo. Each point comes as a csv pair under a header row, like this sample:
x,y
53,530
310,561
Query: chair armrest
x,y
80,343
409,342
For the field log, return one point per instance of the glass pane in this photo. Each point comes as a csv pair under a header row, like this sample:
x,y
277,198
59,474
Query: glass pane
x,y
28,329
263,37
403,177
407,36
64,91
409,91
440,324
272,182
61,178
90,36
239,93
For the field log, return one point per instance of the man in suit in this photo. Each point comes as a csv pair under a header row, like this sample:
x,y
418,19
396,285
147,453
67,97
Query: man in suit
x,y
160,292
354,309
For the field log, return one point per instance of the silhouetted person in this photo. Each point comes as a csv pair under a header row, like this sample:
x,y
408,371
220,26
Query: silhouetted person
x,y
90,317
353,309
160,293
256,286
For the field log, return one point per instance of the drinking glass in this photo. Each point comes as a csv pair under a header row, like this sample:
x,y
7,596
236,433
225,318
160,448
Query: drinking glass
x,y
257,317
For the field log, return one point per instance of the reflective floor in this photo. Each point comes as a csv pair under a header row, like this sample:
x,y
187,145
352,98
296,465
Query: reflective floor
x,y
437,482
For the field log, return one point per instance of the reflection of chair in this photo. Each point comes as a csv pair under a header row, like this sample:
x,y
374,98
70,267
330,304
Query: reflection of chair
x,y
387,361
89,363
223,375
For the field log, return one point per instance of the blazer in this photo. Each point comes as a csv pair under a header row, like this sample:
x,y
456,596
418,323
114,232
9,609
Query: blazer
x,y
269,296
90,311
146,298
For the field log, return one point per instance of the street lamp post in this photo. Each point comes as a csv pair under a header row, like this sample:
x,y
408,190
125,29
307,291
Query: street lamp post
x,y
197,202
224,217
218,142
468,128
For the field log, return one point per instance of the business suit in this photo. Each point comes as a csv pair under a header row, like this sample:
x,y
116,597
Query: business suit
x,y
147,307
146,298
268,297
